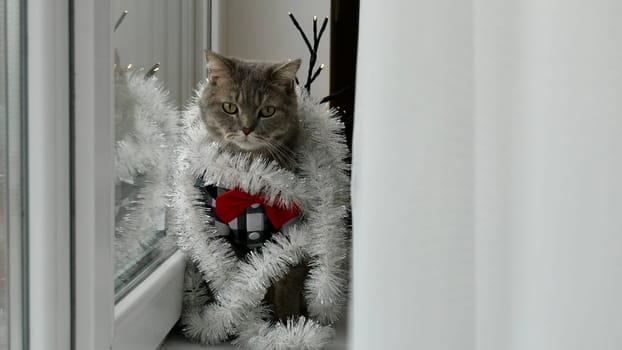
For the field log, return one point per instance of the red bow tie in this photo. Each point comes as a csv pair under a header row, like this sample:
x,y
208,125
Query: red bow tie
x,y
231,204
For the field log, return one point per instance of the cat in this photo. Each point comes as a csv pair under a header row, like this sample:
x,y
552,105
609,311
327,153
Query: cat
x,y
252,107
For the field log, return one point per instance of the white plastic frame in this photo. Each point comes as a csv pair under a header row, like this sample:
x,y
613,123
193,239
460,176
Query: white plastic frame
x,y
143,317
48,177
93,175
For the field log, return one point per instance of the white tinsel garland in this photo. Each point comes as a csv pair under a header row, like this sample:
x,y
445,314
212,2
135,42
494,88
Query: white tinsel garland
x,y
320,187
145,128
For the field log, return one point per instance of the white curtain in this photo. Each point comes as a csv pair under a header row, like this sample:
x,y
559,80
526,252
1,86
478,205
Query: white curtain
x,y
487,175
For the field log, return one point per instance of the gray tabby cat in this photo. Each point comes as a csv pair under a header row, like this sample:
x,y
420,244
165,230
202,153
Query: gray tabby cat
x,y
252,107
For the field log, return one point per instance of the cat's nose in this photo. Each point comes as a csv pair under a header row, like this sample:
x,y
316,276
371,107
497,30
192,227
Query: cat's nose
x,y
247,131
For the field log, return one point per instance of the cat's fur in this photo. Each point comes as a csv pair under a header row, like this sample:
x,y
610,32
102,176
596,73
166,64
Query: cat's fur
x,y
251,86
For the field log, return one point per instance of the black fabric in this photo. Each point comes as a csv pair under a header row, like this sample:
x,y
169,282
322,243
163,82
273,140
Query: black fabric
x,y
251,229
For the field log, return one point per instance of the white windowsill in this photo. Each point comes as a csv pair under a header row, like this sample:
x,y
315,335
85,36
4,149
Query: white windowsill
x,y
176,341
147,313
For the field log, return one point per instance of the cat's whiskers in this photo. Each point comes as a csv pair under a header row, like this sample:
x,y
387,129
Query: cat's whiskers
x,y
277,151
229,136
287,154
266,141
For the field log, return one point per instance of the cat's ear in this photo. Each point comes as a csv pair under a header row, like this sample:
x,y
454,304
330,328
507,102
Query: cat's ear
x,y
285,73
218,67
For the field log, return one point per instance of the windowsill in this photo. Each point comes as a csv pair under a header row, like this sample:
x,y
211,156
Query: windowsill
x,y
176,341
147,313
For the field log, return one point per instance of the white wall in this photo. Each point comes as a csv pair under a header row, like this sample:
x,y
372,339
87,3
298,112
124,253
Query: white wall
x,y
487,167
262,30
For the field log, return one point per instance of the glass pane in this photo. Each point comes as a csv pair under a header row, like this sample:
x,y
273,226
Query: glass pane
x,y
155,71
10,173
4,258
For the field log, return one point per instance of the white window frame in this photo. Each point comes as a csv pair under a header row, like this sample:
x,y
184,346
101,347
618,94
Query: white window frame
x,y
93,175
48,176
142,319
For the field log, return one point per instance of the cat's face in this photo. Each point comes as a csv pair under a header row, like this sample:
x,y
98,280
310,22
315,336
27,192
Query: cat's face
x,y
252,106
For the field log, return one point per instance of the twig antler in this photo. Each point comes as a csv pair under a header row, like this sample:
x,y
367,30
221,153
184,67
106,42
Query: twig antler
x,y
120,20
313,49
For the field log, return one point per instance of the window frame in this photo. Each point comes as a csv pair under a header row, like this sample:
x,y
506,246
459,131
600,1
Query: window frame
x,y
93,176
143,317
47,188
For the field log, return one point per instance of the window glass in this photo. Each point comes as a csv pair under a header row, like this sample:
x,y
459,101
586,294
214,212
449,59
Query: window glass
x,y
4,260
11,160
158,47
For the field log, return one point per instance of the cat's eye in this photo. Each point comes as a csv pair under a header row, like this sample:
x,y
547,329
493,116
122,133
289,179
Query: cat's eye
x,y
267,111
229,108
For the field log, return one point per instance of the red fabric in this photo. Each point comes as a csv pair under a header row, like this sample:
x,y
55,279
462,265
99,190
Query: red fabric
x,y
233,203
